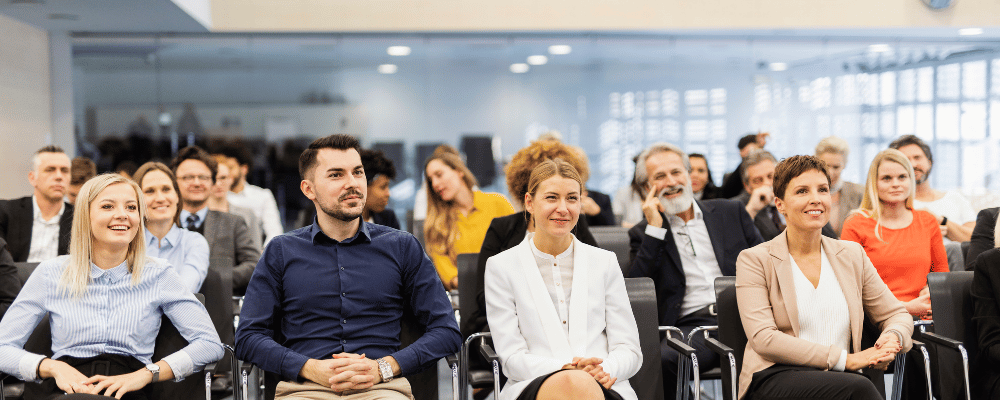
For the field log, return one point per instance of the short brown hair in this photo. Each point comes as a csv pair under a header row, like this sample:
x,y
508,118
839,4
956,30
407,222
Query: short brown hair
x,y
307,161
520,167
198,154
158,166
81,169
792,167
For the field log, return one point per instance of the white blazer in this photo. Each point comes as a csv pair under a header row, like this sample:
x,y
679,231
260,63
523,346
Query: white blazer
x,y
526,326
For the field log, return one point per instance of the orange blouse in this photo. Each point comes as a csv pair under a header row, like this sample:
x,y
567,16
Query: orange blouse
x,y
904,256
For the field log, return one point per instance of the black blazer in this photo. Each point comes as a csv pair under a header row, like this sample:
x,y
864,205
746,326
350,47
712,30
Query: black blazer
x,y
10,284
986,318
765,225
982,236
732,184
607,215
504,233
16,220
731,230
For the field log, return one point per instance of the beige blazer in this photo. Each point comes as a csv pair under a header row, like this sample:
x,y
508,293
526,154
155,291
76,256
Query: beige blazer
x,y
527,332
764,280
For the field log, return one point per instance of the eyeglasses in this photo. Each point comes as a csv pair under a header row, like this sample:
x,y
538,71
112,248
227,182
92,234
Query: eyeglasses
x,y
688,243
190,178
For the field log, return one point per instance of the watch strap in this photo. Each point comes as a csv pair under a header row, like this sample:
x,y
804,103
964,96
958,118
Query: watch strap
x,y
944,220
155,370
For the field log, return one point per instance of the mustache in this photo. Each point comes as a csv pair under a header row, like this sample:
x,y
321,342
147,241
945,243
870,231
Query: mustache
x,y
671,190
351,193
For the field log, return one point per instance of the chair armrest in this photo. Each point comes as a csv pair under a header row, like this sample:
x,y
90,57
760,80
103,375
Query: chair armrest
x,y
680,346
451,359
670,330
727,364
488,353
718,347
701,329
938,340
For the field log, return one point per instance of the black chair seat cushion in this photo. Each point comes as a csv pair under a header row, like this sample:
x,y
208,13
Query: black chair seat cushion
x,y
481,378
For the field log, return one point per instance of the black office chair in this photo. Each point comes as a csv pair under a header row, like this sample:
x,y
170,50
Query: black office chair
x,y
614,239
734,340
648,381
954,337
463,375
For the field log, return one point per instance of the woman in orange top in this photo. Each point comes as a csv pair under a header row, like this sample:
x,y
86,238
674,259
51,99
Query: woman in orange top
x,y
904,244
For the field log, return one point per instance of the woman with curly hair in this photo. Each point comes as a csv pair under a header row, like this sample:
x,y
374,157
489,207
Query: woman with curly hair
x,y
457,215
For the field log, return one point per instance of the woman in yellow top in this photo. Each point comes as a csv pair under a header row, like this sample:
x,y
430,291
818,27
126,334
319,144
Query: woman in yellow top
x,y
457,216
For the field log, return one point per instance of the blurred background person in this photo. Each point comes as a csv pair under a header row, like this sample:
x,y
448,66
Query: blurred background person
x,y
846,196
185,250
701,178
379,172
904,244
256,198
80,171
37,227
628,201
457,215
732,183
218,198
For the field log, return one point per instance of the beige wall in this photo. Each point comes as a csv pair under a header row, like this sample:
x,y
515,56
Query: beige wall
x,y
25,102
544,15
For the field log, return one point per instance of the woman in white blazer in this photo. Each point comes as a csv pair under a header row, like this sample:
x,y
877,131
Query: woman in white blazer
x,y
561,319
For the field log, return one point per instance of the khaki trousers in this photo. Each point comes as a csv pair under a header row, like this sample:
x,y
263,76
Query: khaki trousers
x,y
396,389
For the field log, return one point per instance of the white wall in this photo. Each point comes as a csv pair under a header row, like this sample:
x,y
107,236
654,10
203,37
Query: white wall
x,y
25,102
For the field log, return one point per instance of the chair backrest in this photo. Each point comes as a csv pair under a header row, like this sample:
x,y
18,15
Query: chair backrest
x,y
468,285
648,382
418,232
951,301
24,270
730,325
613,238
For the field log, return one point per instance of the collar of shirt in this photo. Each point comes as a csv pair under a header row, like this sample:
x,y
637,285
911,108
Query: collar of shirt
x,y
676,221
115,274
317,234
38,212
169,241
546,256
202,213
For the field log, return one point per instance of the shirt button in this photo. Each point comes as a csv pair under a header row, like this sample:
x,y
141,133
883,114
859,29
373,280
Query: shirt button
x,y
345,321
341,268
344,341
343,294
564,322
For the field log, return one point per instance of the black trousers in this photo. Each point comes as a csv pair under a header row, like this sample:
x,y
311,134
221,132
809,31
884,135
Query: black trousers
x,y
105,364
799,383
707,359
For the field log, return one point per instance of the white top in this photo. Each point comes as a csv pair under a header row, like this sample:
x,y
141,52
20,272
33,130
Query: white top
x,y
262,203
557,273
697,257
44,234
823,314
628,204
952,205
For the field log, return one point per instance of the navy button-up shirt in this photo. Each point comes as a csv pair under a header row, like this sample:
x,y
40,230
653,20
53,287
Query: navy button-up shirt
x,y
312,297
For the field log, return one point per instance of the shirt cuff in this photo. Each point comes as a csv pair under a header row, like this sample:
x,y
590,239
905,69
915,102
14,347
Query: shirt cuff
x,y
181,365
842,362
659,233
28,367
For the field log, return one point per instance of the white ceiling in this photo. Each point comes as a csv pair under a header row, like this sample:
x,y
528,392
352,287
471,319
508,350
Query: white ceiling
x,y
102,15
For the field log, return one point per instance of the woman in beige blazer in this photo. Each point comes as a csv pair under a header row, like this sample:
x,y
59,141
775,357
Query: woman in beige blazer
x,y
803,298
560,316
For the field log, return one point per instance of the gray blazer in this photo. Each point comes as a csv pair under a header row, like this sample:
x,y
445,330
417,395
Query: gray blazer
x,y
253,222
850,199
231,248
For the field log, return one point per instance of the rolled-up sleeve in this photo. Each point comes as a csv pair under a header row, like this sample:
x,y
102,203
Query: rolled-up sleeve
x,y
192,321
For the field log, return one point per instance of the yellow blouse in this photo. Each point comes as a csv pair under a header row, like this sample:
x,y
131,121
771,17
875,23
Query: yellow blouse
x,y
471,230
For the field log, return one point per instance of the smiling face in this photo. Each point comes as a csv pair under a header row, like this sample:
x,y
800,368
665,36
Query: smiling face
x,y
669,178
699,174
445,181
921,165
195,181
893,183
114,216
50,178
161,199
806,202
337,184
555,206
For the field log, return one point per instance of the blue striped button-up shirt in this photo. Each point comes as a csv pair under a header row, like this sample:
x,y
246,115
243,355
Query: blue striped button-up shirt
x,y
113,317
186,251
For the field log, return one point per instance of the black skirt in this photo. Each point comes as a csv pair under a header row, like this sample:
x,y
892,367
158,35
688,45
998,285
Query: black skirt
x,y
105,364
530,392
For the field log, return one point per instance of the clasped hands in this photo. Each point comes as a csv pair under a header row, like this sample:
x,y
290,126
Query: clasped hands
x,y
876,357
70,380
592,366
345,371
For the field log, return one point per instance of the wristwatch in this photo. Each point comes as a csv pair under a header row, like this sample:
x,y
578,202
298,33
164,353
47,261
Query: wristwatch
x,y
385,370
944,220
155,369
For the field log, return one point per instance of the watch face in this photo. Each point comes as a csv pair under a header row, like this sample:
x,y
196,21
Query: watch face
x,y
938,4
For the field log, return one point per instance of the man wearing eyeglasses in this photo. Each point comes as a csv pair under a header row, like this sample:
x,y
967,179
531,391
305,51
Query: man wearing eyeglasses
x,y
684,244
233,253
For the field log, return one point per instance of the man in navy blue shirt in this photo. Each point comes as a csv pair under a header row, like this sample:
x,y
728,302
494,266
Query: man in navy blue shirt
x,y
323,307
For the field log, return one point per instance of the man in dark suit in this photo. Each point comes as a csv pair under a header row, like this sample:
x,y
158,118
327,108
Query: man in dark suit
x,y
37,227
683,245
232,250
10,284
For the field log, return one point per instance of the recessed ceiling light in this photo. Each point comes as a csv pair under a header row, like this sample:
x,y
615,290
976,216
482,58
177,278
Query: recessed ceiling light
x,y
398,51
537,60
519,68
970,31
778,66
387,68
879,48
559,49
64,17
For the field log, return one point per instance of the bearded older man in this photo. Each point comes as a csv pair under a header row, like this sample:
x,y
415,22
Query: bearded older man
x,y
684,244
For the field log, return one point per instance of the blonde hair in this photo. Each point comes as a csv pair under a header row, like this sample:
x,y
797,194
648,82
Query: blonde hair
x,y
547,169
439,228
76,276
871,205
834,145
